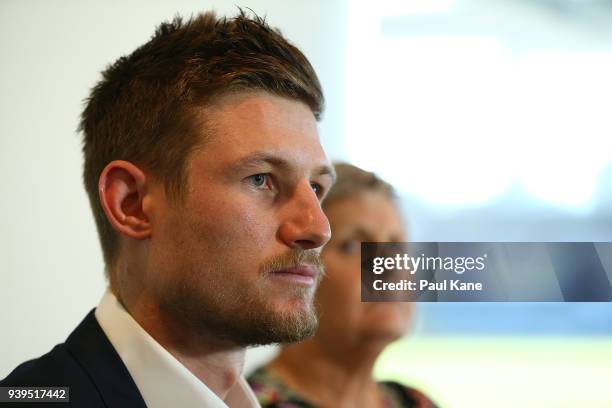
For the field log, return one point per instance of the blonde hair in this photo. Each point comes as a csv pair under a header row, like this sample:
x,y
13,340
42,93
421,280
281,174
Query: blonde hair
x,y
352,180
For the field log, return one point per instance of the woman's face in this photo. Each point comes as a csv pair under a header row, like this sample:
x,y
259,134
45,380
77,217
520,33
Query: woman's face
x,y
368,216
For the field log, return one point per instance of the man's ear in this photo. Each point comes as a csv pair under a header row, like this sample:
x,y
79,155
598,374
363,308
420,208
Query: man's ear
x,y
122,187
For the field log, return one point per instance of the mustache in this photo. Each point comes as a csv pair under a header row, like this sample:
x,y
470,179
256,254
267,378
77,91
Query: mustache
x,y
294,259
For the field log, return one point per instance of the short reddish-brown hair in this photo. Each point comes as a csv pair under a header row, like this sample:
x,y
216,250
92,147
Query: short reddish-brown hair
x,y
145,107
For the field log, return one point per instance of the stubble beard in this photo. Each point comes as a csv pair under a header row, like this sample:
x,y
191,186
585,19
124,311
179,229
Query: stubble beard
x,y
244,316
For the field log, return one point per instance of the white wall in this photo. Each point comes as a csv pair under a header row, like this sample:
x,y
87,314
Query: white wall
x,y
52,54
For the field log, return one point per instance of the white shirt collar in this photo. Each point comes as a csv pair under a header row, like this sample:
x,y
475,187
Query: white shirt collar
x,y
161,379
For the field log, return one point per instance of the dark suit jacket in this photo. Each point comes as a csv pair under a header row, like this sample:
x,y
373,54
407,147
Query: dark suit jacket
x,y
88,364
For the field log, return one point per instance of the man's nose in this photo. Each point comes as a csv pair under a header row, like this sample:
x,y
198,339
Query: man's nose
x,y
304,224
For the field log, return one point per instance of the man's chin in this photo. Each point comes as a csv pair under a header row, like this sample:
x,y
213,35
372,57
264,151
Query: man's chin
x,y
267,316
285,322
297,304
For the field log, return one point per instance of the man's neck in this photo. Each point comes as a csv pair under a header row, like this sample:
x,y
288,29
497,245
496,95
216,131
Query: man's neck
x,y
218,369
218,364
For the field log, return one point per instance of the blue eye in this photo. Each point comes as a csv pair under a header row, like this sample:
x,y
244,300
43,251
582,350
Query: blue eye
x,y
258,180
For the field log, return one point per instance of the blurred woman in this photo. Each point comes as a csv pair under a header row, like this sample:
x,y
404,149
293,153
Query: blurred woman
x,y
334,368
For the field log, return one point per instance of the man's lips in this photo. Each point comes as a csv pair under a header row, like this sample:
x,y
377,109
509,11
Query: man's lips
x,y
304,274
304,270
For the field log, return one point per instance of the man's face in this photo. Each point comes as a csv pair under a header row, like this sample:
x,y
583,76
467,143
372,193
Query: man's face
x,y
238,257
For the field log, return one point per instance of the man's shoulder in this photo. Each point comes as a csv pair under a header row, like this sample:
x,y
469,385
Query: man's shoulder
x,y
57,368
52,369
88,364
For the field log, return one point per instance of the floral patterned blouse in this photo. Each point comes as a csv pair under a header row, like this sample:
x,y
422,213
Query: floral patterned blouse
x,y
273,393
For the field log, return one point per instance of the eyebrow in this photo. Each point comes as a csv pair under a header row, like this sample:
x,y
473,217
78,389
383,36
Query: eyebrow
x,y
263,158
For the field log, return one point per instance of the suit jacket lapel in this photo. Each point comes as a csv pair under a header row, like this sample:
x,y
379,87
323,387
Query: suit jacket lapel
x,y
91,348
